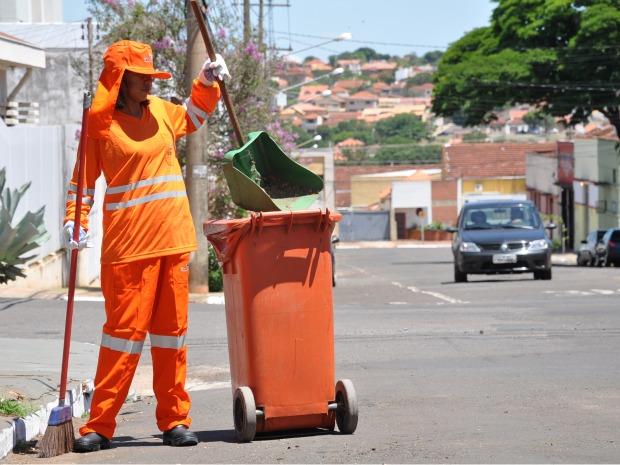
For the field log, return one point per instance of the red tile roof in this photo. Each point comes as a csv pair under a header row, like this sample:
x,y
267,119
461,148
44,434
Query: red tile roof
x,y
363,95
475,161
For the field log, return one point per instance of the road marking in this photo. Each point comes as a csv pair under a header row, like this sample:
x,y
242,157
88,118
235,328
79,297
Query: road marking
x,y
590,292
398,303
437,295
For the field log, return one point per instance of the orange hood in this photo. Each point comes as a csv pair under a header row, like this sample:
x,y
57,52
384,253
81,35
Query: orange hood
x,y
120,56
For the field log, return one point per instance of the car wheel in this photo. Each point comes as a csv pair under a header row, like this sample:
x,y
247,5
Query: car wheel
x,y
459,276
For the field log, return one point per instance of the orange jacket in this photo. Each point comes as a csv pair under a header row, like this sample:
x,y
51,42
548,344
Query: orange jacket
x,y
145,211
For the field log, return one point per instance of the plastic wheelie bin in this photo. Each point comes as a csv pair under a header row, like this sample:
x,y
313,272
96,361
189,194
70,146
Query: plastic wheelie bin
x,y
279,318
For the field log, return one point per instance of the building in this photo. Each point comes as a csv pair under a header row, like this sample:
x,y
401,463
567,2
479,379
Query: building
x,y
489,171
19,58
595,186
352,65
549,182
57,86
361,100
312,91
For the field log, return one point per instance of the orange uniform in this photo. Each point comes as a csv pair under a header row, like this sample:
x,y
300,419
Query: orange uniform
x,y
147,236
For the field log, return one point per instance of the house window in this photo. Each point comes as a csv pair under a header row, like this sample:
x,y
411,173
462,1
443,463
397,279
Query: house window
x,y
478,188
614,176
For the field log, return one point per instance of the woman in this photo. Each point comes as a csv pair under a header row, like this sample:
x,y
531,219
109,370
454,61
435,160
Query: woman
x,y
148,234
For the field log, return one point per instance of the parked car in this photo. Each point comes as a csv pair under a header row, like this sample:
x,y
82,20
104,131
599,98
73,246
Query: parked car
x,y
609,248
587,255
501,237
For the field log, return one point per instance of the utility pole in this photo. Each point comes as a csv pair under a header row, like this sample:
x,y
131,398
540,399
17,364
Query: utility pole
x,y
89,32
196,181
247,26
261,45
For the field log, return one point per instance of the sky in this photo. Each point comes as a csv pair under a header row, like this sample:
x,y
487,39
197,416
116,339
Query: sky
x,y
417,25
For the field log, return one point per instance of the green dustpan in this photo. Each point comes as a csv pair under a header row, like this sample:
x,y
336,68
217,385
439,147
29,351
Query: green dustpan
x,y
261,177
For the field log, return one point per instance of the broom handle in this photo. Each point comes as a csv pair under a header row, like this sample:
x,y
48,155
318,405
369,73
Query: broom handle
x,y
74,253
211,52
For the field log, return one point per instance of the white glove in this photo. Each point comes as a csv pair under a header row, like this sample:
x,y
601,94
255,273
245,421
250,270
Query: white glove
x,y
213,69
70,244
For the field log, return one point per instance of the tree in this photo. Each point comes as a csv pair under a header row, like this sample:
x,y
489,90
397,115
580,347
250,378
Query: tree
x,y
558,55
400,129
363,53
432,57
537,119
419,79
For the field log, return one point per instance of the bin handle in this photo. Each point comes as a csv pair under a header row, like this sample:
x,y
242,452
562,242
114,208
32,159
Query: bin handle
x,y
290,222
259,223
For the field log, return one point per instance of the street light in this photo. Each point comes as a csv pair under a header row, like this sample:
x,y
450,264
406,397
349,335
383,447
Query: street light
x,y
340,38
280,97
316,138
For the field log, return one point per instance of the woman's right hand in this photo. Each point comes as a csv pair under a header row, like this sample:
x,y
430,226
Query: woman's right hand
x,y
70,244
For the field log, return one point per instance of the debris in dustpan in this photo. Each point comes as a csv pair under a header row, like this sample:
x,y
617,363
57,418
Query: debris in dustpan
x,y
280,189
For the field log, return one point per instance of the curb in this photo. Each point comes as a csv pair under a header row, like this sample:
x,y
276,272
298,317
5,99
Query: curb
x,y
24,429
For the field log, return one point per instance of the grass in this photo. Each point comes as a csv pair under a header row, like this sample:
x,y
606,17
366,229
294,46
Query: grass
x,y
14,408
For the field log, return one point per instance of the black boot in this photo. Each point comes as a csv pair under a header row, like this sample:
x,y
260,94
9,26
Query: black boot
x,y
91,442
180,436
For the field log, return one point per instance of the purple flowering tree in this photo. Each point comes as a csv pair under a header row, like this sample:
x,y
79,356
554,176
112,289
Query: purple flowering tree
x,y
163,25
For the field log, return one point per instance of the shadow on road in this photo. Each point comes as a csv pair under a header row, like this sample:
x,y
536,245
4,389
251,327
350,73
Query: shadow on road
x,y
486,281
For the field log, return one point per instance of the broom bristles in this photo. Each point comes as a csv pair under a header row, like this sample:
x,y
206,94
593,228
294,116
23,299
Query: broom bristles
x,y
57,440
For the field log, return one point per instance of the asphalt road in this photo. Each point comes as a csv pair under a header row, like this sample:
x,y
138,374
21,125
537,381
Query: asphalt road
x,y
500,369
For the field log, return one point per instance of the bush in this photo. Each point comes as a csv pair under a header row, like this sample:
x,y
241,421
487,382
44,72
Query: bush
x,y
216,280
28,234
434,226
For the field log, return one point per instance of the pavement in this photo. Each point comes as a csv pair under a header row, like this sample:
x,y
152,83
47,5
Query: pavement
x,y
29,371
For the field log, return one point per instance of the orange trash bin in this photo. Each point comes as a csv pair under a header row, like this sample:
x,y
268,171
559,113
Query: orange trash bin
x,y
277,272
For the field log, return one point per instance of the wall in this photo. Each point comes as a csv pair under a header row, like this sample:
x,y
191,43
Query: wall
x,y
495,186
444,201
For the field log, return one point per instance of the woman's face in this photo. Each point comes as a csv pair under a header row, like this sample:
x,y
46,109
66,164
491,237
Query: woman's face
x,y
136,86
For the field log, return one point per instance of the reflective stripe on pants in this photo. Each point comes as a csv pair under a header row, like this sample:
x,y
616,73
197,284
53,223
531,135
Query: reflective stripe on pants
x,y
145,296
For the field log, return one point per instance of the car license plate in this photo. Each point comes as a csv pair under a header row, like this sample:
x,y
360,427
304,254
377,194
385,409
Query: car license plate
x,y
499,259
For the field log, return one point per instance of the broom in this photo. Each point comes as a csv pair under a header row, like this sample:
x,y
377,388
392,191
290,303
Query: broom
x,y
58,438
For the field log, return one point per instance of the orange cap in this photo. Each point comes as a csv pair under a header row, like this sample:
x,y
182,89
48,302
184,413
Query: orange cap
x,y
120,56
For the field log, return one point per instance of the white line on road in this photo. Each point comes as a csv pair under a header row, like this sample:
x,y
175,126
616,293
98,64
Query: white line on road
x,y
437,295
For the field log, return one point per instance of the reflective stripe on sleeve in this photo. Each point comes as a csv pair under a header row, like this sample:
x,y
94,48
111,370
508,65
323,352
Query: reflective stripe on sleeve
x,y
143,182
85,200
121,345
167,342
145,199
73,189
193,111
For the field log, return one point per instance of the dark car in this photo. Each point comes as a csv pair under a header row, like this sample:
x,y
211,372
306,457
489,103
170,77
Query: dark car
x,y
609,248
587,255
500,237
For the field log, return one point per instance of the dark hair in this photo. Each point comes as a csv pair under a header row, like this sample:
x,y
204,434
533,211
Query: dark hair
x,y
120,100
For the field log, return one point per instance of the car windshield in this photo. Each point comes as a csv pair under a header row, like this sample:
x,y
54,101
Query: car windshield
x,y
501,217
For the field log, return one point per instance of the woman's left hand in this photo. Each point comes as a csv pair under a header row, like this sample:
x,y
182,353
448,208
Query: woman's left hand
x,y
213,69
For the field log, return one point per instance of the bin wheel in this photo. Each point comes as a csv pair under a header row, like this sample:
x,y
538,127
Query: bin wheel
x,y
244,410
346,413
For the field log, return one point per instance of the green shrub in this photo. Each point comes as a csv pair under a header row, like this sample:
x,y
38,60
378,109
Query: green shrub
x,y
14,408
28,234
434,226
427,153
216,281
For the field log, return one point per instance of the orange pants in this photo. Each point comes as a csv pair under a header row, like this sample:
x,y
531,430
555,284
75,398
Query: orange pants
x,y
151,296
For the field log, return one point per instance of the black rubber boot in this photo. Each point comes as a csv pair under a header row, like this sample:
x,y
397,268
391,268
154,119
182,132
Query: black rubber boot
x,y
180,436
91,442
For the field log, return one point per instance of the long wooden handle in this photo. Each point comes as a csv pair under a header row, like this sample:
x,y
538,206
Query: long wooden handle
x,y
211,52
74,253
